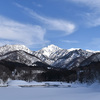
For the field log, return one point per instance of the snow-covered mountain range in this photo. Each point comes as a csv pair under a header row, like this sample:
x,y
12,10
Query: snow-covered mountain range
x,y
63,58
18,53
51,55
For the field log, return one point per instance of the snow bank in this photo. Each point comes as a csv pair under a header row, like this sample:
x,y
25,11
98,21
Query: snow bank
x,y
17,83
36,84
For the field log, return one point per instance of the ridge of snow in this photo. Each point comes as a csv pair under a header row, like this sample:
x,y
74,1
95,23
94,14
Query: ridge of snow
x,y
92,51
72,49
8,48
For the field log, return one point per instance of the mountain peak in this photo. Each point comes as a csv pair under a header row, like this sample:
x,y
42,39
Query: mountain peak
x,y
52,46
47,51
8,48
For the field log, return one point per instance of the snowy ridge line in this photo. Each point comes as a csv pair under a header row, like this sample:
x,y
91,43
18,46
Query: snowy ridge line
x,y
8,48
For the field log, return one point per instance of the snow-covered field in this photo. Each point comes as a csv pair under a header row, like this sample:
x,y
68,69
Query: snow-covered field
x,y
41,92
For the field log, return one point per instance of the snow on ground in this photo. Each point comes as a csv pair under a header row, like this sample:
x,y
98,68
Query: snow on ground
x,y
75,92
36,84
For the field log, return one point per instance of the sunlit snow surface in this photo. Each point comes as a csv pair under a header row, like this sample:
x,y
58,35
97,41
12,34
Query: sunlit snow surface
x,y
75,92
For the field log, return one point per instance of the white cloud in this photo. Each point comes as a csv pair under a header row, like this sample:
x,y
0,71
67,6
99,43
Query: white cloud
x,y
91,3
36,4
70,41
93,16
51,23
93,19
12,32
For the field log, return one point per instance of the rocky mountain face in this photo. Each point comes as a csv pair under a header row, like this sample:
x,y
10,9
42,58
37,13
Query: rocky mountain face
x,y
20,54
62,58
93,58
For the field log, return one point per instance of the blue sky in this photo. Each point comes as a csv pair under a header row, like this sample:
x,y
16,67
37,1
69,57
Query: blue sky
x,y
39,23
